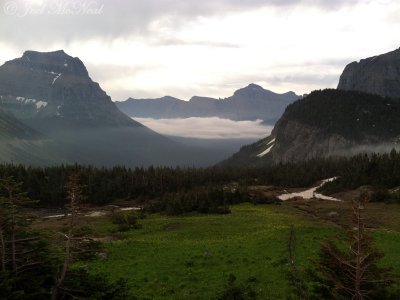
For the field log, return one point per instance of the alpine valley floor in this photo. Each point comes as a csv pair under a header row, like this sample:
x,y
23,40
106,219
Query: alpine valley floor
x,y
192,256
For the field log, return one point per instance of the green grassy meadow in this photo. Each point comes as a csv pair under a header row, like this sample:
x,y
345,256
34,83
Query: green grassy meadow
x,y
191,257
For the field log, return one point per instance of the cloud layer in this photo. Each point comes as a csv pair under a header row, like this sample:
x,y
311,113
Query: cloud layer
x,y
60,20
208,128
183,48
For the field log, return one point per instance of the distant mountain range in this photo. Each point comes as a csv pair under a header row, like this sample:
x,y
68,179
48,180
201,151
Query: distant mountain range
x,y
249,103
363,114
52,112
48,102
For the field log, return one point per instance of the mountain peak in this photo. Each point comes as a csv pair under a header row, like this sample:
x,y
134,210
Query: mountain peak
x,y
375,75
32,53
42,85
53,61
254,86
253,90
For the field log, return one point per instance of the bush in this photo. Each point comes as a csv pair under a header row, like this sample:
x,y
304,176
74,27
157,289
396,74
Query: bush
x,y
84,285
381,195
126,221
233,291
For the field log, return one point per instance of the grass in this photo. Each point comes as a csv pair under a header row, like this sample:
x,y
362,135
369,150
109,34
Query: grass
x,y
191,257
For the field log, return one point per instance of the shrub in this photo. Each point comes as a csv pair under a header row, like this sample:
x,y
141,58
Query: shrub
x,y
126,221
234,291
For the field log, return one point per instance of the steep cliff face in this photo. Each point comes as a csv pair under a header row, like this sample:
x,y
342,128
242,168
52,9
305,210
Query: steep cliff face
x,y
326,123
54,85
296,141
375,75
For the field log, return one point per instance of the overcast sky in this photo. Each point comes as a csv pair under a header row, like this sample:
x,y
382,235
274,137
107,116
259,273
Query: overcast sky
x,y
152,48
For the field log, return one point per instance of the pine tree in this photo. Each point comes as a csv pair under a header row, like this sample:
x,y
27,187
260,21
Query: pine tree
x,y
12,223
25,264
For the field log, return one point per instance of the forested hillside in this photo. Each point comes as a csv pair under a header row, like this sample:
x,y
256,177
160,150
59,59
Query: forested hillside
x,y
105,185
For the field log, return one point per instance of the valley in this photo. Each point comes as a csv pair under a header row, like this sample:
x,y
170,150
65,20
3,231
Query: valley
x,y
253,152
192,256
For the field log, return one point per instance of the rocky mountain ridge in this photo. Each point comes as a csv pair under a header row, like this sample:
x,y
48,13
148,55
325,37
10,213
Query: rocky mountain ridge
x,y
375,75
250,103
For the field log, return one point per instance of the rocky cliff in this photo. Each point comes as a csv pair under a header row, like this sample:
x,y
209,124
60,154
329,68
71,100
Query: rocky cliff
x,y
326,123
375,75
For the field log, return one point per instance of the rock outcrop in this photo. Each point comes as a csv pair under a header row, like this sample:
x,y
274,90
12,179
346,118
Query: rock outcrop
x,y
375,75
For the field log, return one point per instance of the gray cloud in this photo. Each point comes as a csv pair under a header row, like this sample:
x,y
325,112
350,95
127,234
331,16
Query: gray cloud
x,y
24,25
323,80
179,42
105,72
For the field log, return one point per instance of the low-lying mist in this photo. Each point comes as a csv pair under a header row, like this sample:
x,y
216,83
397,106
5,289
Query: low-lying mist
x,y
208,128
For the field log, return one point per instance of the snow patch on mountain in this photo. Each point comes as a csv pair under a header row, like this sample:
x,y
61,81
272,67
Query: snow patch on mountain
x,y
269,147
265,152
41,104
58,111
56,77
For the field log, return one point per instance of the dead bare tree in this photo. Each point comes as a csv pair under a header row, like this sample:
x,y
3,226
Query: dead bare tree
x,y
352,270
74,198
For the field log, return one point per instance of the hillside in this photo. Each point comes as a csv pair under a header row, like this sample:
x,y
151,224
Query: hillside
x,y
11,128
21,144
326,123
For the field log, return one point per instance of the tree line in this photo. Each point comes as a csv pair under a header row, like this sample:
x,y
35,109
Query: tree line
x,y
162,184
104,185
380,171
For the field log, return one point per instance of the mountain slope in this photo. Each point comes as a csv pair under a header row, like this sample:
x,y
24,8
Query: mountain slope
x,y
250,103
325,123
11,128
21,144
375,75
